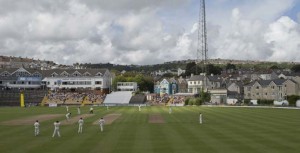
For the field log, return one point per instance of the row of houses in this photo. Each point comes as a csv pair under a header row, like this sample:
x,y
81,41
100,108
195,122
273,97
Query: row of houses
x,y
17,62
275,87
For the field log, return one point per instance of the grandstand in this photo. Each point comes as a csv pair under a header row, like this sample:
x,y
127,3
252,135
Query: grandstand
x,y
67,97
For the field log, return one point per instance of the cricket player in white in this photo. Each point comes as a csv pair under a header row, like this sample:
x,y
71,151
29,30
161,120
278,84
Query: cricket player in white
x,y
56,129
36,128
67,107
170,110
200,118
68,116
78,110
140,107
91,110
101,122
80,123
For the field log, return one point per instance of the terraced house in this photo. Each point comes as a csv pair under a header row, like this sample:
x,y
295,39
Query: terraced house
x,y
271,89
166,86
198,82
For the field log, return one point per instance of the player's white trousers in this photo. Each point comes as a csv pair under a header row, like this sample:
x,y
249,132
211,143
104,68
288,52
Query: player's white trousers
x,y
56,131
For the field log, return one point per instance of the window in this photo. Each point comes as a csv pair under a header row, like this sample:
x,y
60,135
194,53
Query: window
x,y
257,94
0,82
257,87
64,74
266,94
86,74
36,74
5,74
76,73
22,74
54,74
99,74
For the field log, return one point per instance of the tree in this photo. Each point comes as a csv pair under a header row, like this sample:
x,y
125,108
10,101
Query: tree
x,y
117,79
168,75
274,67
145,83
296,68
212,69
190,69
204,96
230,66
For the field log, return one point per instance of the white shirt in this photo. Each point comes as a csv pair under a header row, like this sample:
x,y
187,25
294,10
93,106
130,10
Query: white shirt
x,y
80,122
68,115
101,122
56,125
36,124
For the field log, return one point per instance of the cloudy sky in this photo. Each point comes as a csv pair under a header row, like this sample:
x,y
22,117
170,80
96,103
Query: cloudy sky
x,y
148,31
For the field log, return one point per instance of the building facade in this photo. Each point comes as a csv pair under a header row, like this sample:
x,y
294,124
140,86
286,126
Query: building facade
x,y
127,86
90,79
270,89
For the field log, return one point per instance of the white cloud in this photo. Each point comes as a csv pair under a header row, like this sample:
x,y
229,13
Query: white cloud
x,y
284,36
145,32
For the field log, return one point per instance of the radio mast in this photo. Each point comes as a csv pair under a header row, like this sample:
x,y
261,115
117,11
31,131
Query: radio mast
x,y
202,39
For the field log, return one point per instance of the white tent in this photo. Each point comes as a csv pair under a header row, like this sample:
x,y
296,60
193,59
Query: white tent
x,y
119,97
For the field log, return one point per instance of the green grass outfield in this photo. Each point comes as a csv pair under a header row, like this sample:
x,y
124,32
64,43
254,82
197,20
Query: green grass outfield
x,y
225,130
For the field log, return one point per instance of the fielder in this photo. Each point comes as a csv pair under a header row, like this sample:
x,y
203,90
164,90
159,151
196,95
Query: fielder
x,y
170,110
56,129
67,107
101,122
91,110
80,123
36,128
78,110
68,116
200,118
140,107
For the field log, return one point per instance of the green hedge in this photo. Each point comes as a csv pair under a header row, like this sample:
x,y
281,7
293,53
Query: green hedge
x,y
265,102
247,101
292,99
193,101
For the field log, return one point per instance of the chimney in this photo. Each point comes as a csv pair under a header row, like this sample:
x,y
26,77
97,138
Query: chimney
x,y
192,74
